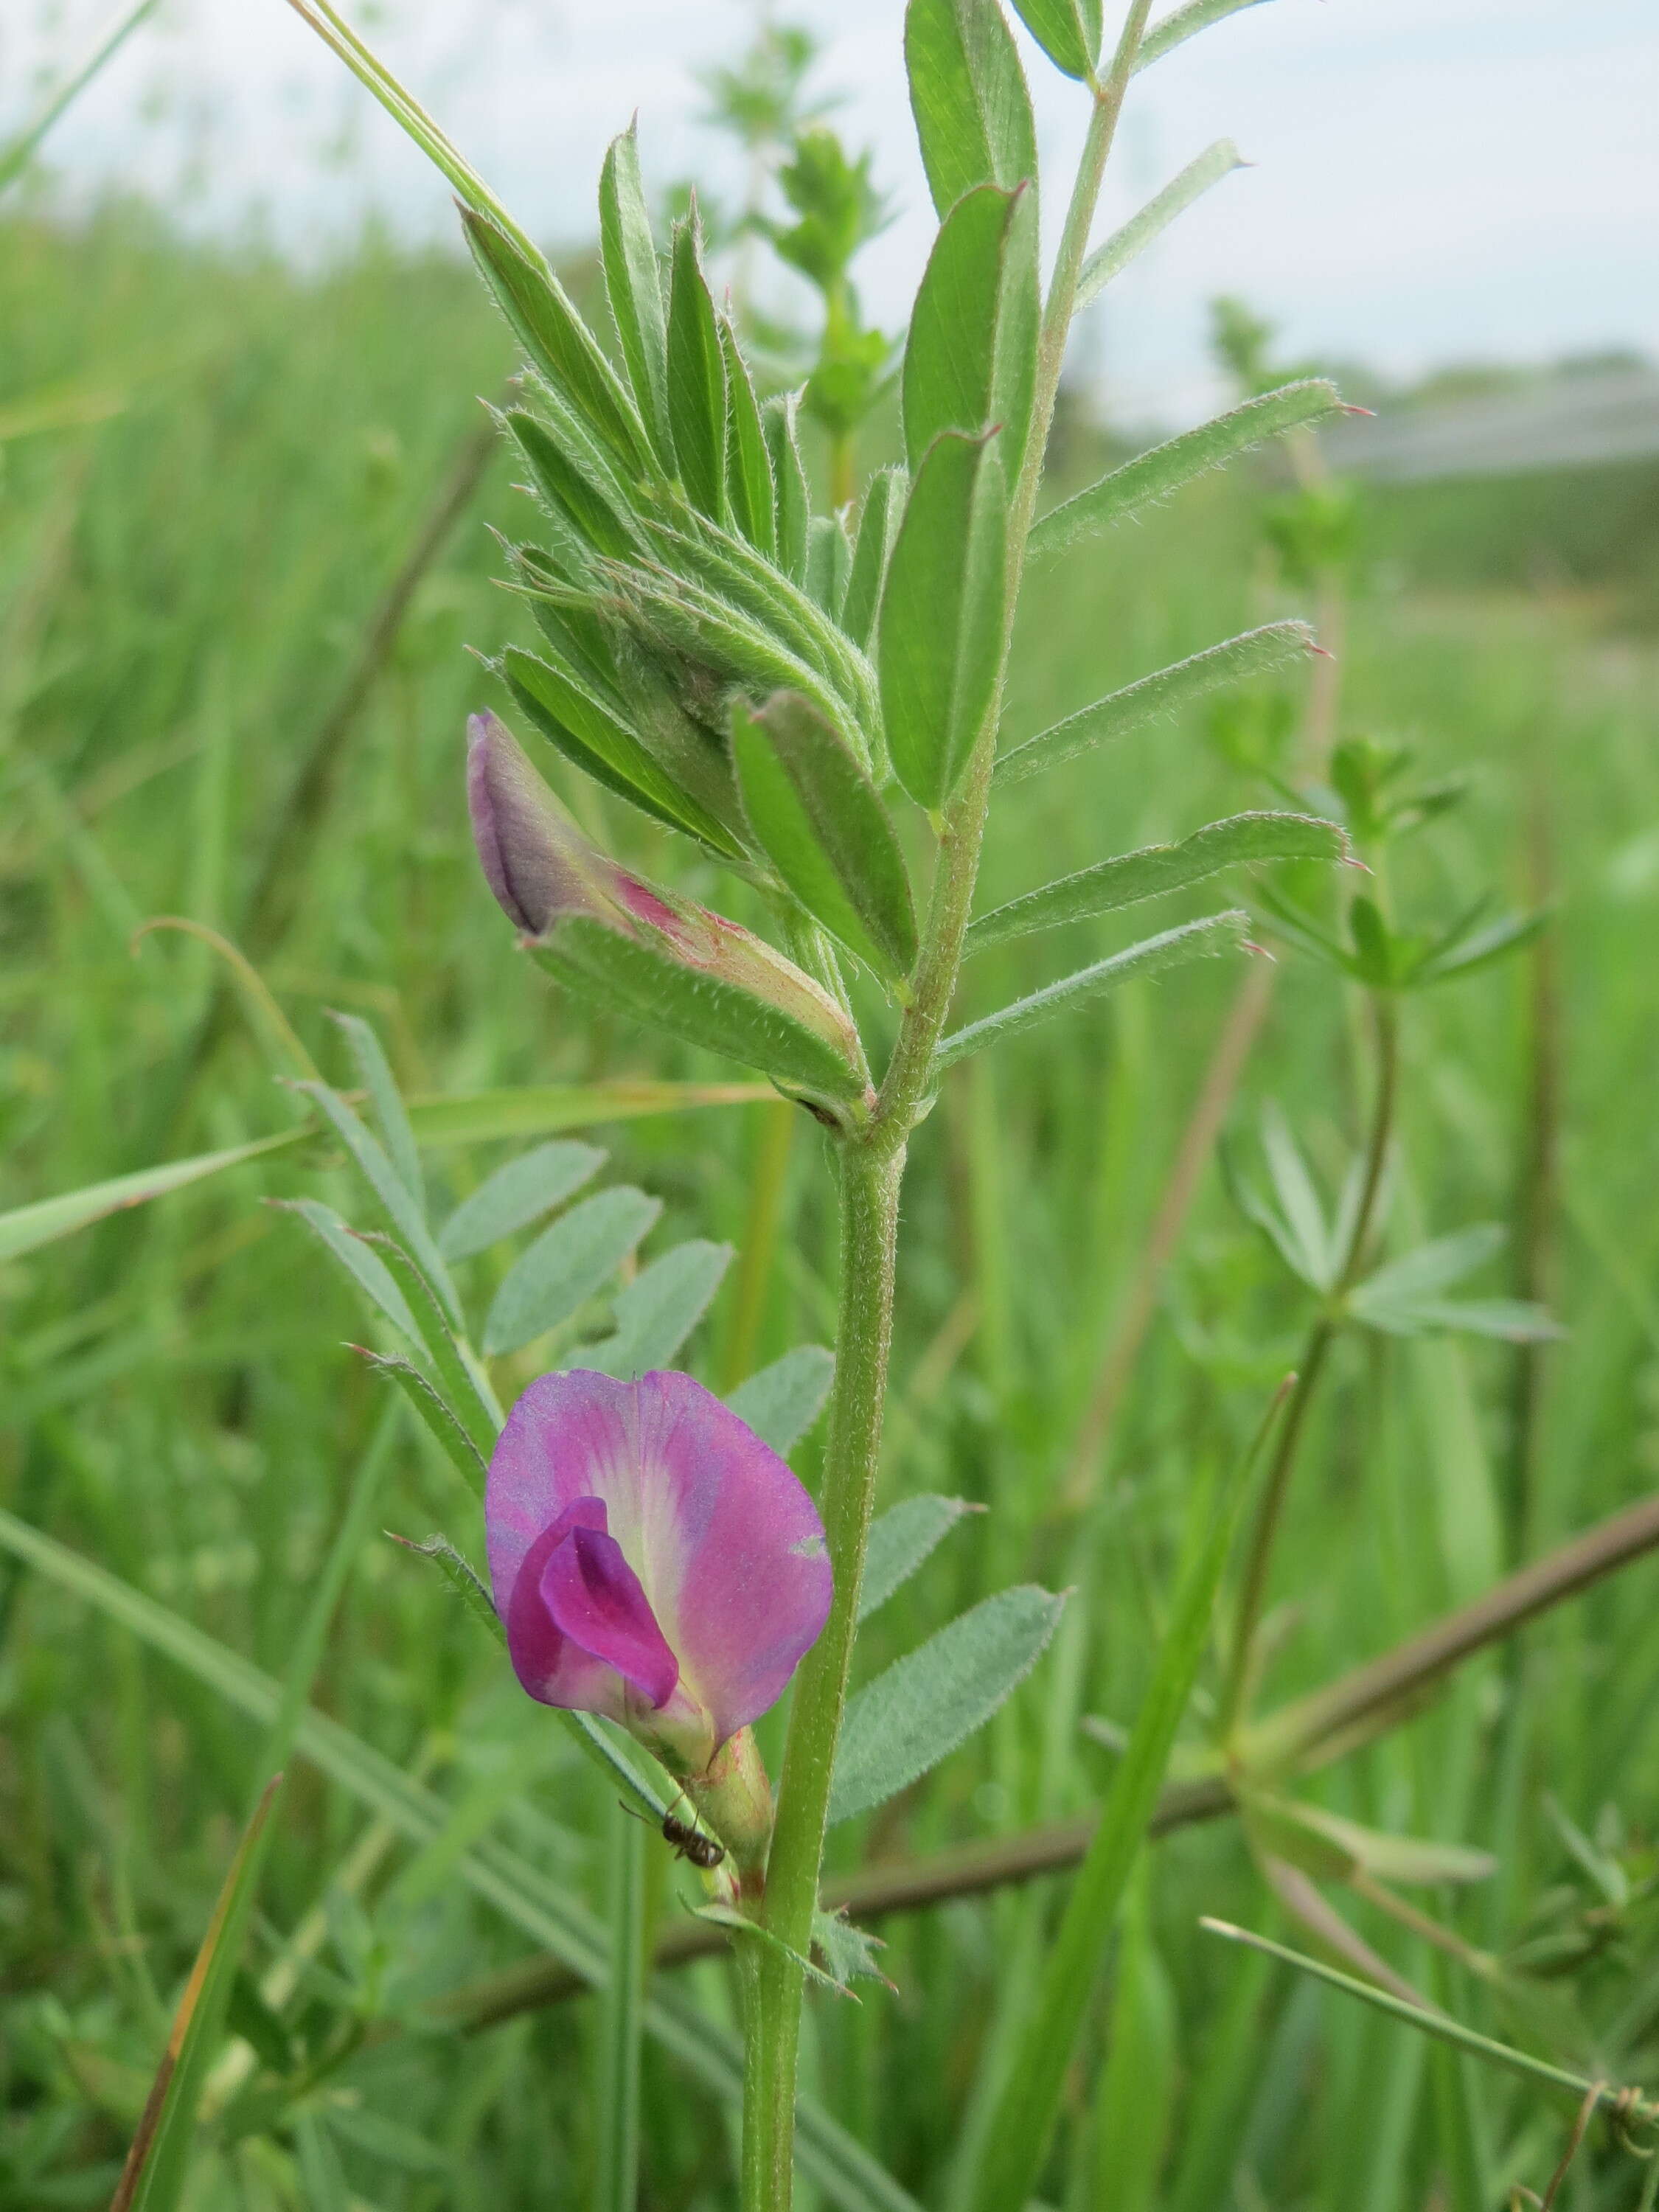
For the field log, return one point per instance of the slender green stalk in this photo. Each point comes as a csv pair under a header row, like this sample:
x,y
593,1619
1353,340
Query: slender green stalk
x,y
1315,1354
869,1169
616,2185
16,154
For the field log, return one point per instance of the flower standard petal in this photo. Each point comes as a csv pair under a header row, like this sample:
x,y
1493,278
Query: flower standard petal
x,y
737,1571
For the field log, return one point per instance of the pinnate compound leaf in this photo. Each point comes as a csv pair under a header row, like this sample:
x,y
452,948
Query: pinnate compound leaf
x,y
631,976
634,285
556,339
750,491
696,378
374,1073
462,1577
567,1265
901,1539
933,1699
971,359
437,1416
1166,691
1173,948
879,522
780,1402
370,1273
821,823
968,95
1109,258
517,1193
592,738
1156,869
154,2178
942,614
1183,23
1153,476
1068,32
657,1311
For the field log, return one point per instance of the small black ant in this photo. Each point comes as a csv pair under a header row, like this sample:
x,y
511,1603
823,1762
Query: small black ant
x,y
688,1843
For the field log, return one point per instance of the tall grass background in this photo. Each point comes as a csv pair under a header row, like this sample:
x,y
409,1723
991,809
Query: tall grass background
x,y
213,467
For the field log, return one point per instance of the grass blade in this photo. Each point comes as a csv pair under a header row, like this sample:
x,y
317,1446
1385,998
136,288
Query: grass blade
x,y
154,2176
26,1228
1031,2097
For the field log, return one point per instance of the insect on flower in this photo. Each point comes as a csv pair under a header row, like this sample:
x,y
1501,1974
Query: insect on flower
x,y
688,1843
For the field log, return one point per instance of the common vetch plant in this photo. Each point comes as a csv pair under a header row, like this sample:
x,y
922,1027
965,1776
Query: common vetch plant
x,y
813,700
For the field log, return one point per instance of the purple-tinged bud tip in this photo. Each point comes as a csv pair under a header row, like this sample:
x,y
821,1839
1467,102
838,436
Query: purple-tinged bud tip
x,y
530,854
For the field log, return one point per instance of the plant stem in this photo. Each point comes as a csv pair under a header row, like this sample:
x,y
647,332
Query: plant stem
x,y
869,1169
1265,1531
869,1187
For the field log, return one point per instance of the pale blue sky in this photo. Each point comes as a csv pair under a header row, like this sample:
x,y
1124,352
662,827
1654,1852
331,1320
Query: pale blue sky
x,y
1435,179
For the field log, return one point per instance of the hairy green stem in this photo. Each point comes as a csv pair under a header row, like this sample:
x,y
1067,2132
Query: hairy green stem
x,y
869,1167
1265,1532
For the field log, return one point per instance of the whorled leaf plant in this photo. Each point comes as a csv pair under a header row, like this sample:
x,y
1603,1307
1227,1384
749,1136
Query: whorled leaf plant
x,y
814,700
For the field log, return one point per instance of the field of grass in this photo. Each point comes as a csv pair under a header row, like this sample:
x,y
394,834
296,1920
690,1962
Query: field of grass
x,y
212,471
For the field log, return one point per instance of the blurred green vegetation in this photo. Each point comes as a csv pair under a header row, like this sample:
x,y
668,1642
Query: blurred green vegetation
x,y
242,457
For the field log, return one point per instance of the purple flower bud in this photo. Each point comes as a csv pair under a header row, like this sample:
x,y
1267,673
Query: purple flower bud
x,y
653,1559
537,863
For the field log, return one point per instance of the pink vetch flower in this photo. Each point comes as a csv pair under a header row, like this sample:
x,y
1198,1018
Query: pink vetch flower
x,y
653,1561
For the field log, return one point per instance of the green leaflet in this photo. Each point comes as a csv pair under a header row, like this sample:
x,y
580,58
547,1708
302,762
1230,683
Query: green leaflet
x,y
780,1402
403,1207
557,340
158,2163
1183,23
1153,476
628,976
437,1416
794,500
822,823
1214,163
465,1396
577,501
942,614
463,1578
971,359
375,1072
657,1311
696,378
1192,940
370,1273
968,95
518,1193
925,1704
1155,869
1254,653
567,1265
750,492
883,508
901,1539
586,732
569,623
634,285
828,558
1068,32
